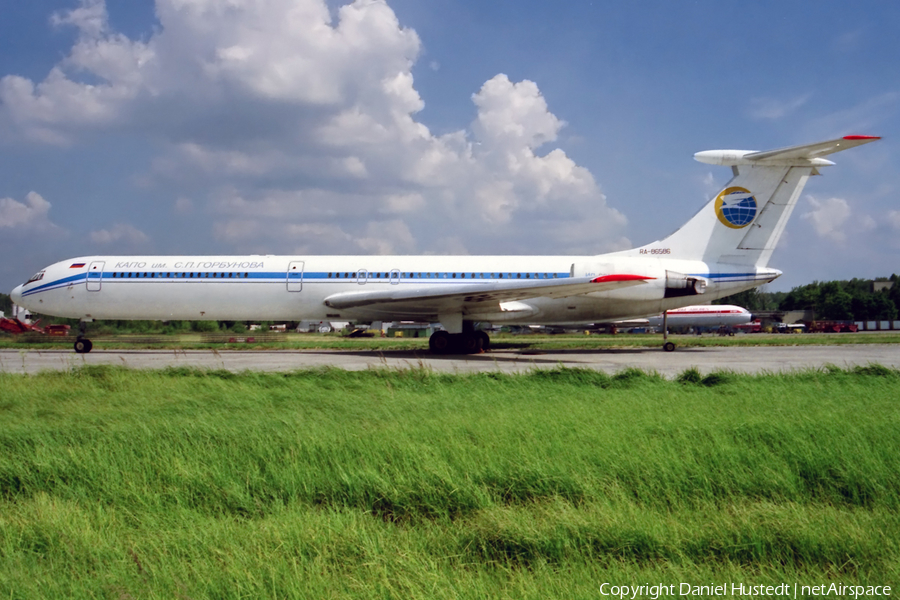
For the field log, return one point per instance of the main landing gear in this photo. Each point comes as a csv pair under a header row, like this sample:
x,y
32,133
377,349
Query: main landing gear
x,y
468,342
82,344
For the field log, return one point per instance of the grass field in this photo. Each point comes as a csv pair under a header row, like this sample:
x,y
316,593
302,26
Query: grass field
x,y
410,484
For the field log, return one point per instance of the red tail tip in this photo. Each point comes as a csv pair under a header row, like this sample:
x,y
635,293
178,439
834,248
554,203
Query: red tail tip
x,y
862,137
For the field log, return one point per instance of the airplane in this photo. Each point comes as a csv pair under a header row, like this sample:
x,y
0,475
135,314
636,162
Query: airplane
x,y
723,249
701,315
720,315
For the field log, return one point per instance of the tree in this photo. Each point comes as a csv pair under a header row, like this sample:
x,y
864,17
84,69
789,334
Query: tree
x,y
5,304
802,297
754,299
835,304
894,292
206,326
884,309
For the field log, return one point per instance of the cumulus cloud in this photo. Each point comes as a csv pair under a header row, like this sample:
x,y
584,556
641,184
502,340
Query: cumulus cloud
x,y
893,219
299,124
834,220
828,217
120,233
31,214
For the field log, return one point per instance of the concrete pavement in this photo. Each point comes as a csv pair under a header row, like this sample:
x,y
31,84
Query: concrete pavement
x,y
752,359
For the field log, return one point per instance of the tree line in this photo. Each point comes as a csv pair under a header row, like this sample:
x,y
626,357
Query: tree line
x,y
849,300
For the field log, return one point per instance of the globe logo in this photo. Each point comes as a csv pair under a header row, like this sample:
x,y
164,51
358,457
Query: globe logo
x,y
735,207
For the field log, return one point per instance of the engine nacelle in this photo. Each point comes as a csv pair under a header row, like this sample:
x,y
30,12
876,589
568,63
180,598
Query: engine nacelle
x,y
679,284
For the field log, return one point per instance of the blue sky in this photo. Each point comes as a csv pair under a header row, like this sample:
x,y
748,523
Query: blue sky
x,y
308,126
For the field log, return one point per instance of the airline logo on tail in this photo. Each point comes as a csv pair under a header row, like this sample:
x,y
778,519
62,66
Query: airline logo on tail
x,y
735,207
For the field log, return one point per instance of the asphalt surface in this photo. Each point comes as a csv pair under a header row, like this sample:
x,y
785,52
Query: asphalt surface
x,y
754,359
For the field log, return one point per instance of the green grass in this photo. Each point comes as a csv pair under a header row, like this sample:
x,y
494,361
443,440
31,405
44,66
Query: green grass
x,y
410,484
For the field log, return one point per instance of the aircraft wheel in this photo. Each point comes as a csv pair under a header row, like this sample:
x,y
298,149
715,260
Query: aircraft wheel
x,y
83,345
470,343
485,340
669,346
440,342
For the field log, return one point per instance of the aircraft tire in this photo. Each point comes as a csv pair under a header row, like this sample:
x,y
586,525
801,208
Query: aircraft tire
x,y
440,342
485,340
469,343
83,345
669,346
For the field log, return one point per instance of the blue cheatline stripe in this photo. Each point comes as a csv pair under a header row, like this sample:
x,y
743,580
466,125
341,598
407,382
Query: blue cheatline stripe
x,y
439,277
733,277
55,284
280,277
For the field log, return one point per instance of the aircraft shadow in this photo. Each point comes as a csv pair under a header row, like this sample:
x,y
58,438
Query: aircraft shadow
x,y
501,355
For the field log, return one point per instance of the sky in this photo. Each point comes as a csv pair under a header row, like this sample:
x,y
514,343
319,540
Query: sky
x,y
453,127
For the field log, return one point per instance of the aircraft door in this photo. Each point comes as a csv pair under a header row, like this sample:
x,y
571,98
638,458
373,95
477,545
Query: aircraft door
x,y
362,276
95,276
295,276
395,276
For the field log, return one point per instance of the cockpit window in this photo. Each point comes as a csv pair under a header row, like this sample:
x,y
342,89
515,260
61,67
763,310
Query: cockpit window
x,y
36,277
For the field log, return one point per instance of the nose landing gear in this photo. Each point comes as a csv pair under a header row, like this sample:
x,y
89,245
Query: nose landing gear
x,y
82,344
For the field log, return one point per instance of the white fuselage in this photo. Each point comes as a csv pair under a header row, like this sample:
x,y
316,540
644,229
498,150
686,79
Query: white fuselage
x,y
293,288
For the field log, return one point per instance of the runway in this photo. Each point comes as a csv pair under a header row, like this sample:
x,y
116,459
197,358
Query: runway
x,y
751,359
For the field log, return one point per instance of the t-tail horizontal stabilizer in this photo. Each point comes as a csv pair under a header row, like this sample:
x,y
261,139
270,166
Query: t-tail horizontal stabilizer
x,y
741,225
805,155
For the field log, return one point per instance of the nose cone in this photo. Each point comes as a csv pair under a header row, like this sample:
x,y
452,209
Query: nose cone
x,y
16,295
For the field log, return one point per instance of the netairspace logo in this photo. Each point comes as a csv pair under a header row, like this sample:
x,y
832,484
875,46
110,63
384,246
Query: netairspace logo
x,y
735,207
783,590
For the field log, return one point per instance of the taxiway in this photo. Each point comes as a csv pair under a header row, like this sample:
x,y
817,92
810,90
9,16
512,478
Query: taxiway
x,y
754,359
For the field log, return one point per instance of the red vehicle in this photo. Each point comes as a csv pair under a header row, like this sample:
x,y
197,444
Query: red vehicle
x,y
15,326
57,329
832,326
753,327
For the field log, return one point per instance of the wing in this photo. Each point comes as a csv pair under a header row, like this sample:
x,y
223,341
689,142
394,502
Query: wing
x,y
476,297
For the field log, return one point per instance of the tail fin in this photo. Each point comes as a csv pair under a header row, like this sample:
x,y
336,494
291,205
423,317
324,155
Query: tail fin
x,y
742,224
